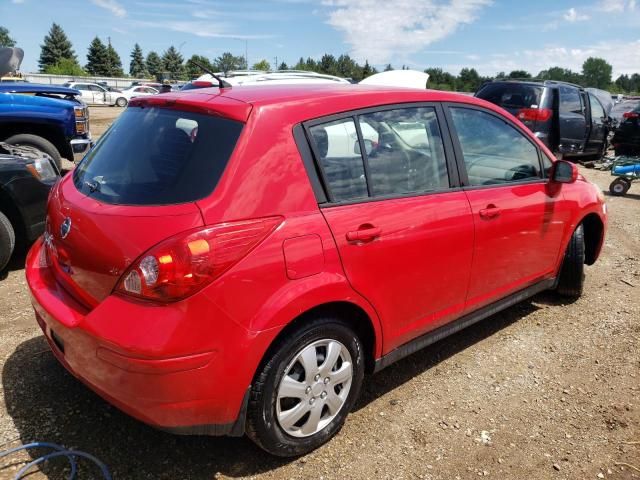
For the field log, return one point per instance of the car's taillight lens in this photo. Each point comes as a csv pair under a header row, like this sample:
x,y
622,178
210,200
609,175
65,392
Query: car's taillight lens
x,y
187,262
631,115
534,114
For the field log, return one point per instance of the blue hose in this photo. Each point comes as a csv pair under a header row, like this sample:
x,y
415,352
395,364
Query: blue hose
x,y
60,451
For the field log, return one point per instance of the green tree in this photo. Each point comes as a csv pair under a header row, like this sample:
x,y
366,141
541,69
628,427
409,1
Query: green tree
x,y
388,68
311,65
561,75
227,62
193,70
114,63
283,66
596,72
262,65
367,69
137,66
5,39
345,66
468,80
66,66
440,80
328,65
97,59
154,65
519,74
301,65
56,46
172,62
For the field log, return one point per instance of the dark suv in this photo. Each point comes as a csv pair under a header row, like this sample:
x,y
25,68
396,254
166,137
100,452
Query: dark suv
x,y
569,120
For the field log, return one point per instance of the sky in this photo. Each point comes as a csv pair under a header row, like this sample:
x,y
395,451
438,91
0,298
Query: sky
x,y
489,35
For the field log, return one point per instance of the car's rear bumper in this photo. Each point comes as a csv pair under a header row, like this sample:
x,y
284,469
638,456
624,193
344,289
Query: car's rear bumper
x,y
192,393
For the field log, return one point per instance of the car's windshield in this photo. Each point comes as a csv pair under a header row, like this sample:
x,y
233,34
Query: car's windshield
x,y
154,156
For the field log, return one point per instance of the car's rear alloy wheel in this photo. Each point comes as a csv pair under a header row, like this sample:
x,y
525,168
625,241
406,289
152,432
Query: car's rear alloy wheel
x,y
314,388
305,391
121,102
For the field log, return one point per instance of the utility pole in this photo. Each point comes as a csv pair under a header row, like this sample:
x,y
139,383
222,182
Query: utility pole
x,y
246,53
276,65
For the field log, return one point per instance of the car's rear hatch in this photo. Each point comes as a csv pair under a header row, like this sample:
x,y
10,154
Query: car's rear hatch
x,y
522,100
137,187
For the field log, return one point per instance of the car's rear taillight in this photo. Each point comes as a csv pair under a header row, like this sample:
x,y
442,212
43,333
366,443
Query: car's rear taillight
x,y
534,114
631,115
187,262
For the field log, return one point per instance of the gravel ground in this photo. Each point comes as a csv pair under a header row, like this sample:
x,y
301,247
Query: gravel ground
x,y
544,390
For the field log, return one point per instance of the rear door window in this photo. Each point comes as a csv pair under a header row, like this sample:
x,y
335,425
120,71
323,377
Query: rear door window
x,y
597,112
494,152
158,156
570,101
406,153
338,152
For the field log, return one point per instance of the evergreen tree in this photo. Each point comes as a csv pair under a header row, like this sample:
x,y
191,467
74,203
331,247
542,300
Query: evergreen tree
x,y
5,39
172,62
97,60
283,66
137,67
367,69
114,63
56,46
193,70
388,68
300,65
227,62
154,64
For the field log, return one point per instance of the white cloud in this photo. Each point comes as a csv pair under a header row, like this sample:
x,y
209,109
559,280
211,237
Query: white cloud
x,y
111,5
616,6
623,56
573,16
201,28
382,31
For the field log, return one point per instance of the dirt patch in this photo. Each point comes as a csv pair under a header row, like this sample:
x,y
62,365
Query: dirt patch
x,y
544,390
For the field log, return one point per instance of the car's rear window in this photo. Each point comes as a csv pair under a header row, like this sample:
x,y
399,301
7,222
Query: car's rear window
x,y
158,156
511,95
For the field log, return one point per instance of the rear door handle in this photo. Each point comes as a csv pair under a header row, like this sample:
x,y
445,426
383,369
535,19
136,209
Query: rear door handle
x,y
490,212
364,235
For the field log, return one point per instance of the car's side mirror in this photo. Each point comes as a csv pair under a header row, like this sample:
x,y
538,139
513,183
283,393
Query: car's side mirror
x,y
564,172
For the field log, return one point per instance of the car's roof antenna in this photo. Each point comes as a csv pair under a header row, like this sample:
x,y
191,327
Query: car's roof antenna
x,y
221,82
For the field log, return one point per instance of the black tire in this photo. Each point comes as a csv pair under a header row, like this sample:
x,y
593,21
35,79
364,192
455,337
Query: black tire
x,y
571,280
38,143
262,424
121,102
619,186
7,240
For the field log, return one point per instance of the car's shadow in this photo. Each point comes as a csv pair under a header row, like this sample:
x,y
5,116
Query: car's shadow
x,y
16,262
635,196
47,404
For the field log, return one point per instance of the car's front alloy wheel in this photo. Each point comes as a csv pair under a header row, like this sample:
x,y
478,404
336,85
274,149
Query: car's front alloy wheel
x,y
305,390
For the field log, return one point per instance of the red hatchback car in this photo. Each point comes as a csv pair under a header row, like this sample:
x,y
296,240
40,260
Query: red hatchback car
x,y
234,260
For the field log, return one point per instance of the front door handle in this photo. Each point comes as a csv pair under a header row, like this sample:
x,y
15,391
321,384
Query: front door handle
x,y
365,234
490,212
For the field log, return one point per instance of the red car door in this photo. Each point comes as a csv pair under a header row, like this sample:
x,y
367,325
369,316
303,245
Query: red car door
x,y
404,236
518,218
